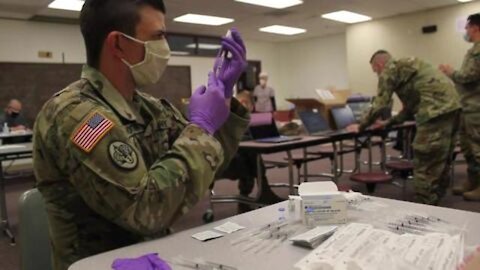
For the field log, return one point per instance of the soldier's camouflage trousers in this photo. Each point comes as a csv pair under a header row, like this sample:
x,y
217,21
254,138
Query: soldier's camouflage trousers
x,y
470,143
433,147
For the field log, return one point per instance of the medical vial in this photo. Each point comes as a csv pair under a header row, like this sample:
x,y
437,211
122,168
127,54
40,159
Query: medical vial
x,y
281,214
291,209
6,130
309,218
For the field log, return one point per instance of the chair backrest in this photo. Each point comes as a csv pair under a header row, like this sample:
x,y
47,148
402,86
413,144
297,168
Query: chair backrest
x,y
343,116
359,108
34,236
313,122
263,126
359,105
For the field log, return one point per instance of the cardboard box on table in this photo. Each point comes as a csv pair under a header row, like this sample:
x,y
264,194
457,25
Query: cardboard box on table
x,y
327,99
322,204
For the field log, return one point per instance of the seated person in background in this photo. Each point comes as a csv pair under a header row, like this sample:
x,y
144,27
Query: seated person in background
x,y
13,117
244,164
264,95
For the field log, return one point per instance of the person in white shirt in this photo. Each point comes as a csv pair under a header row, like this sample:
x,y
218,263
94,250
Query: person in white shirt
x,y
264,95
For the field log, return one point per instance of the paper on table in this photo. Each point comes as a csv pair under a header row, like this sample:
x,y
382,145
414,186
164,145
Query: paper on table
x,y
361,247
325,94
207,235
12,146
313,237
229,227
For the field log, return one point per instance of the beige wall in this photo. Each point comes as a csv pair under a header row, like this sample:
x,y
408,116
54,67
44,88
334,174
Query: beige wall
x,y
402,36
296,69
21,41
306,65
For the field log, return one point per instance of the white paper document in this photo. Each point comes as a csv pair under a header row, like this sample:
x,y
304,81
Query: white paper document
x,y
359,246
325,94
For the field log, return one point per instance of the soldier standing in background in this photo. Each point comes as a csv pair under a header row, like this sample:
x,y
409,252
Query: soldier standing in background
x,y
467,80
264,95
431,98
115,165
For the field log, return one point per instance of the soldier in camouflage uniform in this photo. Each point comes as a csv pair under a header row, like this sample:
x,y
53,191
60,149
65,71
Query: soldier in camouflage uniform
x,y
117,166
467,80
430,97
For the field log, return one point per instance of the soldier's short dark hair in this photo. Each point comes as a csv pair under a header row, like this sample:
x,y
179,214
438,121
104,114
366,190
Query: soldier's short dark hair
x,y
379,52
474,19
98,18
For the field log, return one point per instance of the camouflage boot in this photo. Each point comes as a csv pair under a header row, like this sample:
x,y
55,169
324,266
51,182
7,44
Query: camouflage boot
x,y
465,187
470,184
473,195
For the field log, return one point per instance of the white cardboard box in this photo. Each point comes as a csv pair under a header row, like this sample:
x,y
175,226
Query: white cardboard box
x,y
322,204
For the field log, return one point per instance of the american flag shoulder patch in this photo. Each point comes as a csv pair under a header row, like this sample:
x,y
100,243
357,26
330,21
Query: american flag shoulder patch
x,y
91,132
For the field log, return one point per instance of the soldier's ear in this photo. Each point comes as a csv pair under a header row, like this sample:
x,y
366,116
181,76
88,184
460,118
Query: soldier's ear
x,y
116,44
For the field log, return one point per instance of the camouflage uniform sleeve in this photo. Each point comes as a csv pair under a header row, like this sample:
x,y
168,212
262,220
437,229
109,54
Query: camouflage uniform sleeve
x,y
232,132
401,117
113,178
470,71
386,84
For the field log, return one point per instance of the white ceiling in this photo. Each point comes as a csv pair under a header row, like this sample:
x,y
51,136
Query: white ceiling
x,y
249,18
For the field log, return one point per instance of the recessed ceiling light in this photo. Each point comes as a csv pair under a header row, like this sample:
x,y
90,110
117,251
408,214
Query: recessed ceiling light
x,y
346,17
464,1
204,46
179,53
203,19
273,3
283,30
74,5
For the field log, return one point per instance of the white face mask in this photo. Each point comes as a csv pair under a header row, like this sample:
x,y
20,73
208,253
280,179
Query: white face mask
x,y
466,37
150,70
263,82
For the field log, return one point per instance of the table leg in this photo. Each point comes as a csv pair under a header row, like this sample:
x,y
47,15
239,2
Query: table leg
x,y
370,158
358,166
383,148
305,167
265,195
291,187
336,172
5,226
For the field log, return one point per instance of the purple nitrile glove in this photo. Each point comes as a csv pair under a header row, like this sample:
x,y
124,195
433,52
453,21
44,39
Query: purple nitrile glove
x,y
146,262
208,108
230,68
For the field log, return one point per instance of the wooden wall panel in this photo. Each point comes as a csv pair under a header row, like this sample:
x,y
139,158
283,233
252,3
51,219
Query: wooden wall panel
x,y
35,83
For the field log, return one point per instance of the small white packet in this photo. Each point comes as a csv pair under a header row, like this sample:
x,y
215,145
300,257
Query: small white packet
x,y
207,235
229,227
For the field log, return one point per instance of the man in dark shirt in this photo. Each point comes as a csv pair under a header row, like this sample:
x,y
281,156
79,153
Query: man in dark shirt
x,y
13,117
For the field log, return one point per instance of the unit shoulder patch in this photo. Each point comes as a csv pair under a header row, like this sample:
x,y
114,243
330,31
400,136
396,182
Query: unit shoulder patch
x,y
123,155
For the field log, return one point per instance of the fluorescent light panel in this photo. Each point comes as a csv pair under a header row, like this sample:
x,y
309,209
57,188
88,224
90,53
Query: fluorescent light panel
x,y
283,30
204,46
74,5
203,19
464,1
179,53
279,4
346,17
